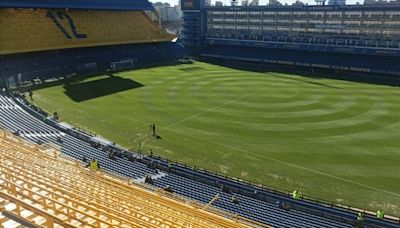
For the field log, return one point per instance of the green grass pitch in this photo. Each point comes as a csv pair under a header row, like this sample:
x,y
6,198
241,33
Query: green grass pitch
x,y
331,139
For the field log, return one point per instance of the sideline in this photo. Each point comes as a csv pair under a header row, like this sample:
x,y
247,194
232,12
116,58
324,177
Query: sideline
x,y
293,165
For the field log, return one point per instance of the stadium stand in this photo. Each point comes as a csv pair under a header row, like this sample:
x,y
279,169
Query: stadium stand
x,y
38,186
345,38
21,119
41,40
51,39
60,29
78,4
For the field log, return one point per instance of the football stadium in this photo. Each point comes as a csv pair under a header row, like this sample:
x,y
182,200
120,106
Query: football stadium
x,y
252,115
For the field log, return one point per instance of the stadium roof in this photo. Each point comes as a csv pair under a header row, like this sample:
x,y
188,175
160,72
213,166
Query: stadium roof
x,y
79,4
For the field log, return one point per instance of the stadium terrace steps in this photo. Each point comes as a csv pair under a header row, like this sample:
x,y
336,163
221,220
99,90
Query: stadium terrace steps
x,y
40,187
153,177
252,208
28,30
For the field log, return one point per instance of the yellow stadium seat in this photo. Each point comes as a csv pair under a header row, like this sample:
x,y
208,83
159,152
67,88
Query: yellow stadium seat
x,y
26,30
41,187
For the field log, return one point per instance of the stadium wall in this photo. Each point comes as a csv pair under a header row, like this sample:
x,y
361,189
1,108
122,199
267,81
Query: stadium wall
x,y
18,68
380,68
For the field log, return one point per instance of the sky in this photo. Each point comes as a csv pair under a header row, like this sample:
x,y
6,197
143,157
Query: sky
x,y
262,2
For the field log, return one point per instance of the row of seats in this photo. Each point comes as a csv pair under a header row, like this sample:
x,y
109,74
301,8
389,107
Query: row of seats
x,y
15,118
26,30
62,196
36,131
78,4
248,207
353,62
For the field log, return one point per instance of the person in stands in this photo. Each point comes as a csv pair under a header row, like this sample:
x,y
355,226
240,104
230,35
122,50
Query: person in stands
x,y
235,199
94,165
168,189
55,114
360,220
296,194
380,214
112,155
149,180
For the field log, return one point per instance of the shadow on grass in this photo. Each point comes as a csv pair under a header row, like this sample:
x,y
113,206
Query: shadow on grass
x,y
313,83
82,91
79,77
158,137
189,69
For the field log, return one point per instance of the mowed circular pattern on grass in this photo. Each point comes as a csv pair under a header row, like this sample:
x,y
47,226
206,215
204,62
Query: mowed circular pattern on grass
x,y
332,139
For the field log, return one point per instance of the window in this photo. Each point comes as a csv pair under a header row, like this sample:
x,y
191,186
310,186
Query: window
x,y
265,28
334,14
299,13
269,21
284,13
372,22
255,20
229,20
299,21
269,13
392,22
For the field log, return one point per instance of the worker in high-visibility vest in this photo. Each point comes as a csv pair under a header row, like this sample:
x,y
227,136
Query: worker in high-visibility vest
x,y
360,220
380,214
296,194
94,165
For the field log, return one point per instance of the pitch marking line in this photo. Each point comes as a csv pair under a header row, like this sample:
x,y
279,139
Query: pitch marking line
x,y
212,109
294,165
